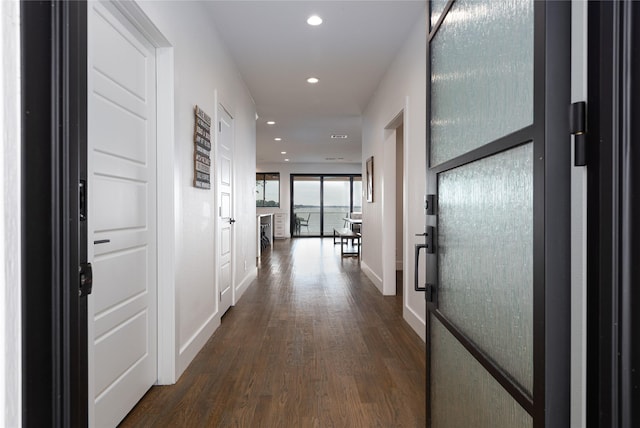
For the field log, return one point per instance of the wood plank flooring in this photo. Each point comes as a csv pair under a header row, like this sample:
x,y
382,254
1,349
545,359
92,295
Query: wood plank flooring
x,y
312,343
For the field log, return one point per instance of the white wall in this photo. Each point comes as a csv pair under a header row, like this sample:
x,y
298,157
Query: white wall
x,y
286,169
203,69
402,90
10,326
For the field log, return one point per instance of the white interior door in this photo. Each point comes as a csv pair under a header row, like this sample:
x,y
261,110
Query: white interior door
x,y
122,217
224,176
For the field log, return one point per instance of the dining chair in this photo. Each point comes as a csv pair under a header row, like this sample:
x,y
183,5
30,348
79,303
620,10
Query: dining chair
x,y
304,222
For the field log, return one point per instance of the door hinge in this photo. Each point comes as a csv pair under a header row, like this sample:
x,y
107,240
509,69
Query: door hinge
x,y
578,126
430,293
85,272
219,126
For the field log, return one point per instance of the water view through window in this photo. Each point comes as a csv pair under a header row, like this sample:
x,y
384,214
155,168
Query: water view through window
x,y
321,202
268,189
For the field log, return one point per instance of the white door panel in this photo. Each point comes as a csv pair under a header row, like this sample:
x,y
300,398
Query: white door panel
x,y
104,86
225,205
225,250
118,130
108,163
225,280
117,46
225,169
224,155
128,269
128,391
125,207
115,364
125,310
117,240
122,215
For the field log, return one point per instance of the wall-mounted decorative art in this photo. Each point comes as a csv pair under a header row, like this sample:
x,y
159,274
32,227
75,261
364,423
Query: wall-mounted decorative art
x,y
202,153
370,179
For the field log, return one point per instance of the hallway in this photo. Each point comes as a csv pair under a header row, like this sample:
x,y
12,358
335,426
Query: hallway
x,y
311,343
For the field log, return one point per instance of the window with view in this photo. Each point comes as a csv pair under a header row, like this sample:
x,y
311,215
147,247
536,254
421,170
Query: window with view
x,y
267,189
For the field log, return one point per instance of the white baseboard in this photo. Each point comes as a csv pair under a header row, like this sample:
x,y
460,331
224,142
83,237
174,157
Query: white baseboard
x,y
415,322
196,342
189,350
244,284
377,281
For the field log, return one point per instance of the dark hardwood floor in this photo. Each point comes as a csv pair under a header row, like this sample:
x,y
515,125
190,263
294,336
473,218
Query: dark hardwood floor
x,y
312,343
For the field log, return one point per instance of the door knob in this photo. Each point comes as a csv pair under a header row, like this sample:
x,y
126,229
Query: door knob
x,y
232,220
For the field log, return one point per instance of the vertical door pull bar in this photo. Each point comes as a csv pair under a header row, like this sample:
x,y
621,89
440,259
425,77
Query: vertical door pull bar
x,y
415,266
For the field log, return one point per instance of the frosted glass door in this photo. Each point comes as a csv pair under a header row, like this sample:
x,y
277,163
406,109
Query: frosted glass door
x,y
481,160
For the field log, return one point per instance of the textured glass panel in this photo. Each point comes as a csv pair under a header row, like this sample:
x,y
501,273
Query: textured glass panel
x,y
481,75
485,255
437,6
463,393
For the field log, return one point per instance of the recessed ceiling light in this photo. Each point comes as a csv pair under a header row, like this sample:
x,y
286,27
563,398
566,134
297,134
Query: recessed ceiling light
x,y
313,80
286,160
271,122
277,139
314,20
283,153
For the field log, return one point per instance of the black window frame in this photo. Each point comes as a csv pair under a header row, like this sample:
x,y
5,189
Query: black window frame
x,y
264,188
321,177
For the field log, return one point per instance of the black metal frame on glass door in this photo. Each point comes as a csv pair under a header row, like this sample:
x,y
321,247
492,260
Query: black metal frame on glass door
x,y
549,404
613,238
53,236
292,223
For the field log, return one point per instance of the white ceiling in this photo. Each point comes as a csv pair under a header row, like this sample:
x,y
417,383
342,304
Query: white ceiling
x,y
276,51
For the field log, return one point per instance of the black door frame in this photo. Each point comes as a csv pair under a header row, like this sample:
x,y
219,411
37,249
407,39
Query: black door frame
x,y
613,235
53,237
549,403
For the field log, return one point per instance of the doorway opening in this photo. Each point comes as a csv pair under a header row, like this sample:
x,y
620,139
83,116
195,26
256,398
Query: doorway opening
x,y
393,207
320,203
399,207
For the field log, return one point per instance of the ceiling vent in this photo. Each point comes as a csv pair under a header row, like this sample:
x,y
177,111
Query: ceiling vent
x,y
338,136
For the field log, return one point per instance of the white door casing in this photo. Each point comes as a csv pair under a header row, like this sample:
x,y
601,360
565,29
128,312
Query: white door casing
x,y
122,215
224,176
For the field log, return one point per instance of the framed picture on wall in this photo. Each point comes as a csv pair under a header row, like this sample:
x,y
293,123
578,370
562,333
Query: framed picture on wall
x,y
370,179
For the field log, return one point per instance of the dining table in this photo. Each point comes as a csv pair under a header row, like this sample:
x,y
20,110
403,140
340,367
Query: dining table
x,y
352,221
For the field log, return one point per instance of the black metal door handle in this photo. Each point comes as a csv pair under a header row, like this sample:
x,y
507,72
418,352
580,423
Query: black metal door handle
x,y
415,273
85,272
232,220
